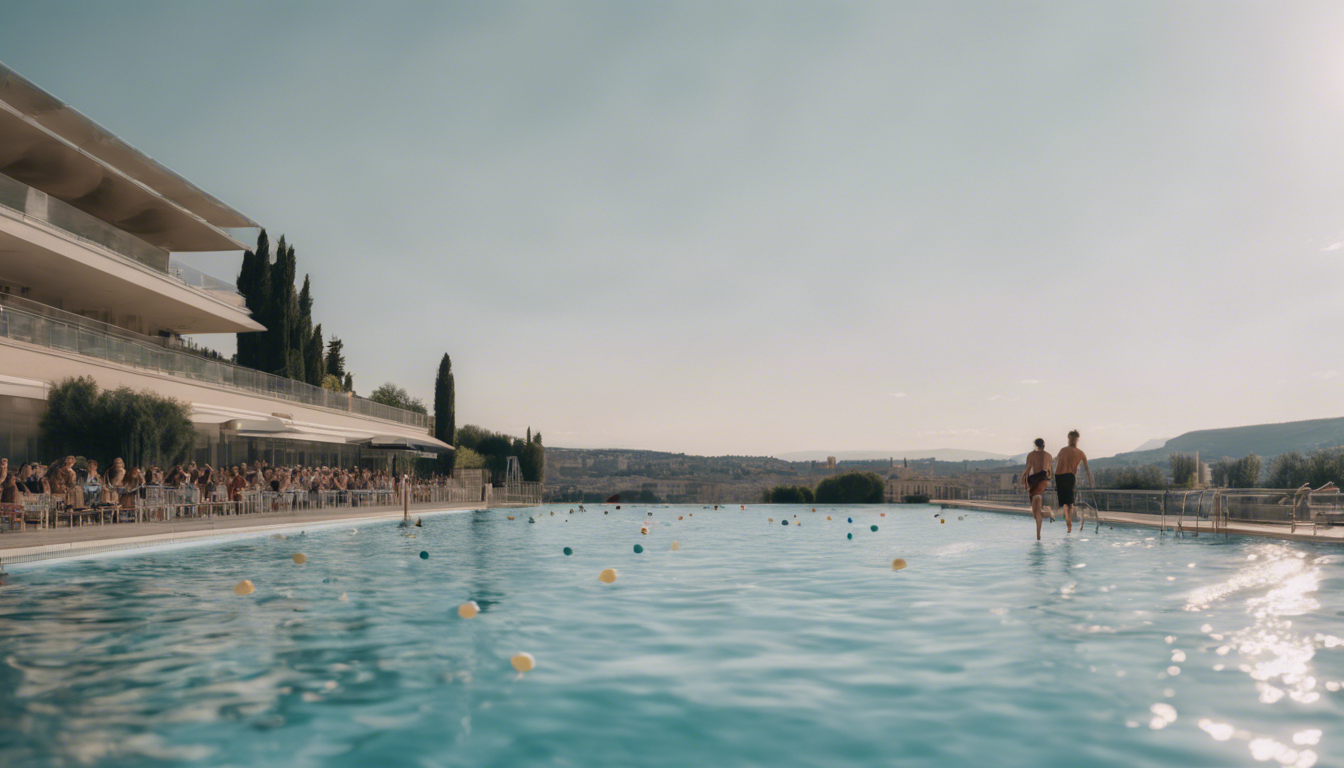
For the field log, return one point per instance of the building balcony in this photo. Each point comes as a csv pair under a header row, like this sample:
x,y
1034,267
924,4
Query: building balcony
x,y
29,322
64,257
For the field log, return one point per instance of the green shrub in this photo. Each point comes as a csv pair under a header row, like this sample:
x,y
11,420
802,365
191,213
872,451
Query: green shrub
x,y
142,428
851,488
789,494
915,498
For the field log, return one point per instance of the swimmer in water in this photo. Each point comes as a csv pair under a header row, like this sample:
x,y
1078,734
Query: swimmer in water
x,y
1036,477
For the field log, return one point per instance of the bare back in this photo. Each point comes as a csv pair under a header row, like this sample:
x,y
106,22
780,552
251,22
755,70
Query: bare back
x,y
1070,458
1038,461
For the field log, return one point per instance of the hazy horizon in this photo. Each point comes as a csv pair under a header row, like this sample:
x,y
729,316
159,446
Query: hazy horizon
x,y
756,228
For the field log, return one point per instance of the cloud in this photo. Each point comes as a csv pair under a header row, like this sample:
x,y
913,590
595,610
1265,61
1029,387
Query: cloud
x,y
1033,382
896,394
1333,247
994,397
1325,374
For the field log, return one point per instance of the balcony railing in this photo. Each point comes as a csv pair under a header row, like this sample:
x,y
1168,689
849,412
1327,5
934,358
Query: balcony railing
x,y
35,204
24,321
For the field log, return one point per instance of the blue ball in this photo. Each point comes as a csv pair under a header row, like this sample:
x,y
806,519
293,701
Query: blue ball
x,y
849,535
874,529
849,519
424,555
783,522
568,551
639,548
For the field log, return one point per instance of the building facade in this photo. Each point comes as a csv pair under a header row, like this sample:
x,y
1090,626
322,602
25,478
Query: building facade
x,y
89,287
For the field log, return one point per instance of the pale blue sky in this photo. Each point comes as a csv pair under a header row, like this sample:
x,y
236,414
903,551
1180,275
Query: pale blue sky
x,y
760,228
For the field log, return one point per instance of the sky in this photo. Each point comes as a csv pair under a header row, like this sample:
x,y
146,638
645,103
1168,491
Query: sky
x,y
741,228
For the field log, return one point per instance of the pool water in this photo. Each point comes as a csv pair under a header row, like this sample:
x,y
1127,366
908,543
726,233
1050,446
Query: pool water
x,y
756,644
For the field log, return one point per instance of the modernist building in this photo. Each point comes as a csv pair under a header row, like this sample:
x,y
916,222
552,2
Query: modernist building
x,y
89,287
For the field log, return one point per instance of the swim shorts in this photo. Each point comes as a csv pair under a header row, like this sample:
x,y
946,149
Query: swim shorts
x,y
1064,484
1037,483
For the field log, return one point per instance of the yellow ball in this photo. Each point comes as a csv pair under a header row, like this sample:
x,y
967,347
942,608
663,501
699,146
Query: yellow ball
x,y
468,610
897,564
244,588
941,521
676,546
300,558
828,517
607,576
644,531
524,662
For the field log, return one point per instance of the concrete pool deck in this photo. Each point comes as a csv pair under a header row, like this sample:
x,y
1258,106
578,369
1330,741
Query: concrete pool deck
x,y
35,545
1327,535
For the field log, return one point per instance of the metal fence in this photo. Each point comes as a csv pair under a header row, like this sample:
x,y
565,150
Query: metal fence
x,y
161,503
55,329
1300,508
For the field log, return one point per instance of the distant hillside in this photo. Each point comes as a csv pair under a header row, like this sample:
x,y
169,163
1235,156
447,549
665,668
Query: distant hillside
x,y
941,454
1152,445
1265,440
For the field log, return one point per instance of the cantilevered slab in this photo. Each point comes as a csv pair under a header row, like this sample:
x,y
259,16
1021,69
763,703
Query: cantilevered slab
x,y
47,145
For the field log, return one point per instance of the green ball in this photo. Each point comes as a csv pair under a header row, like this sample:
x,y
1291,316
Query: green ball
x,y
849,535
568,551
424,555
639,548
874,529
783,522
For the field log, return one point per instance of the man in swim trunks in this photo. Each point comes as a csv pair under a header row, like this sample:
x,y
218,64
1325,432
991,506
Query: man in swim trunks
x,y
1066,476
1036,477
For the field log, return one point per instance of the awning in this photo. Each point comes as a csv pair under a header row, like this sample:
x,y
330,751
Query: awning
x,y
399,443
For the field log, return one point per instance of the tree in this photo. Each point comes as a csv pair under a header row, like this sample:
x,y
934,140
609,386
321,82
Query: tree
x,y
139,427
466,458
313,364
1184,470
1244,472
445,406
789,494
332,383
395,396
1288,470
254,283
336,358
1144,478
851,488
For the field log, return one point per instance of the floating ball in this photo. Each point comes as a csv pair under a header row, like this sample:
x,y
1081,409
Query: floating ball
x,y
897,564
344,598
884,514
552,514
849,535
828,517
568,551
873,528
468,610
679,517
941,522
424,555
785,522
849,519
300,558
523,662
676,546
244,587
510,517
639,549
771,519
607,576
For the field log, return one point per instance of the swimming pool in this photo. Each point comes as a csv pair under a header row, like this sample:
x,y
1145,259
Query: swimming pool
x,y
755,644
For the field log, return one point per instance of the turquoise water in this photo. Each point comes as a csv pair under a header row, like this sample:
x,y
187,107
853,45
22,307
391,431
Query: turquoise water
x,y
756,644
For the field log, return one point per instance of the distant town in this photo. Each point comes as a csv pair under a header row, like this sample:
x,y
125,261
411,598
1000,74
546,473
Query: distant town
x,y
574,475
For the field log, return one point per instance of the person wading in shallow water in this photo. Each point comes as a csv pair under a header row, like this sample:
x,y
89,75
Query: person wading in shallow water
x,y
1036,477
1066,476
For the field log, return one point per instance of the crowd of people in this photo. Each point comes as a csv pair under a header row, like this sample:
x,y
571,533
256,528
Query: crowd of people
x,y
74,484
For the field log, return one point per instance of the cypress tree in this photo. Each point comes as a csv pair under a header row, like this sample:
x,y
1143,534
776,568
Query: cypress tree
x,y
254,282
336,358
313,364
445,410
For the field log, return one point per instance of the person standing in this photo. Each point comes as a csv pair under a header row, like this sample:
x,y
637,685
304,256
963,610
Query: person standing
x,y
1036,478
1066,476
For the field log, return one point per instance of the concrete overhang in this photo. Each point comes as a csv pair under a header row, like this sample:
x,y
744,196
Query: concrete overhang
x,y
71,274
50,146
